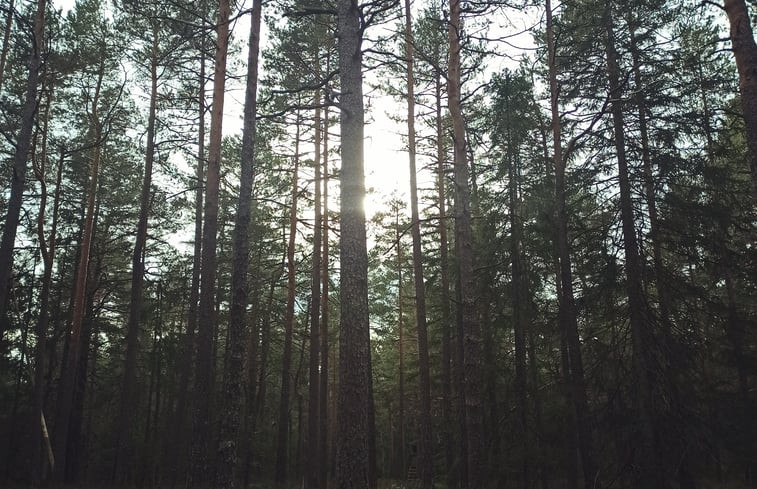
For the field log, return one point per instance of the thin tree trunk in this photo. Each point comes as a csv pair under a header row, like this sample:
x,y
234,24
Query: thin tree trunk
x,y
78,439
425,449
569,429
265,348
282,449
665,306
462,465
253,351
520,325
124,469
47,250
296,462
401,346
76,446
372,457
152,392
6,40
20,160
745,52
324,380
67,385
188,343
202,395
568,311
650,470
353,460
23,361
232,384
533,364
475,458
314,454
444,272
649,186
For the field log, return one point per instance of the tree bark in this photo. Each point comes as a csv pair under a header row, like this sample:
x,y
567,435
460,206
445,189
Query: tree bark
x,y
323,393
202,395
650,473
188,343
68,382
445,284
745,52
125,437
353,457
568,312
314,453
47,250
425,449
77,439
20,163
282,443
520,321
6,39
475,457
401,346
232,385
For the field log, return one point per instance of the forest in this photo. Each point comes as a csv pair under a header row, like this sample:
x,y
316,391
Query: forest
x,y
378,244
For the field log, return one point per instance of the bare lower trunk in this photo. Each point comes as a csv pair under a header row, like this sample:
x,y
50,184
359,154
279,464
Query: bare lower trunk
x,y
124,439
650,471
400,348
314,453
425,448
282,442
568,312
323,393
200,472
47,249
445,284
475,457
188,343
353,466
232,382
68,382
520,326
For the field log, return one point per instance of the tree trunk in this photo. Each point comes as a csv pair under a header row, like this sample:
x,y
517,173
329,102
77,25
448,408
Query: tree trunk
x,y
202,395
324,380
253,351
282,448
649,186
533,365
68,382
650,472
353,457
444,272
78,439
6,39
745,52
568,313
232,385
425,448
124,469
47,250
20,160
312,479
188,343
520,323
477,476
401,348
